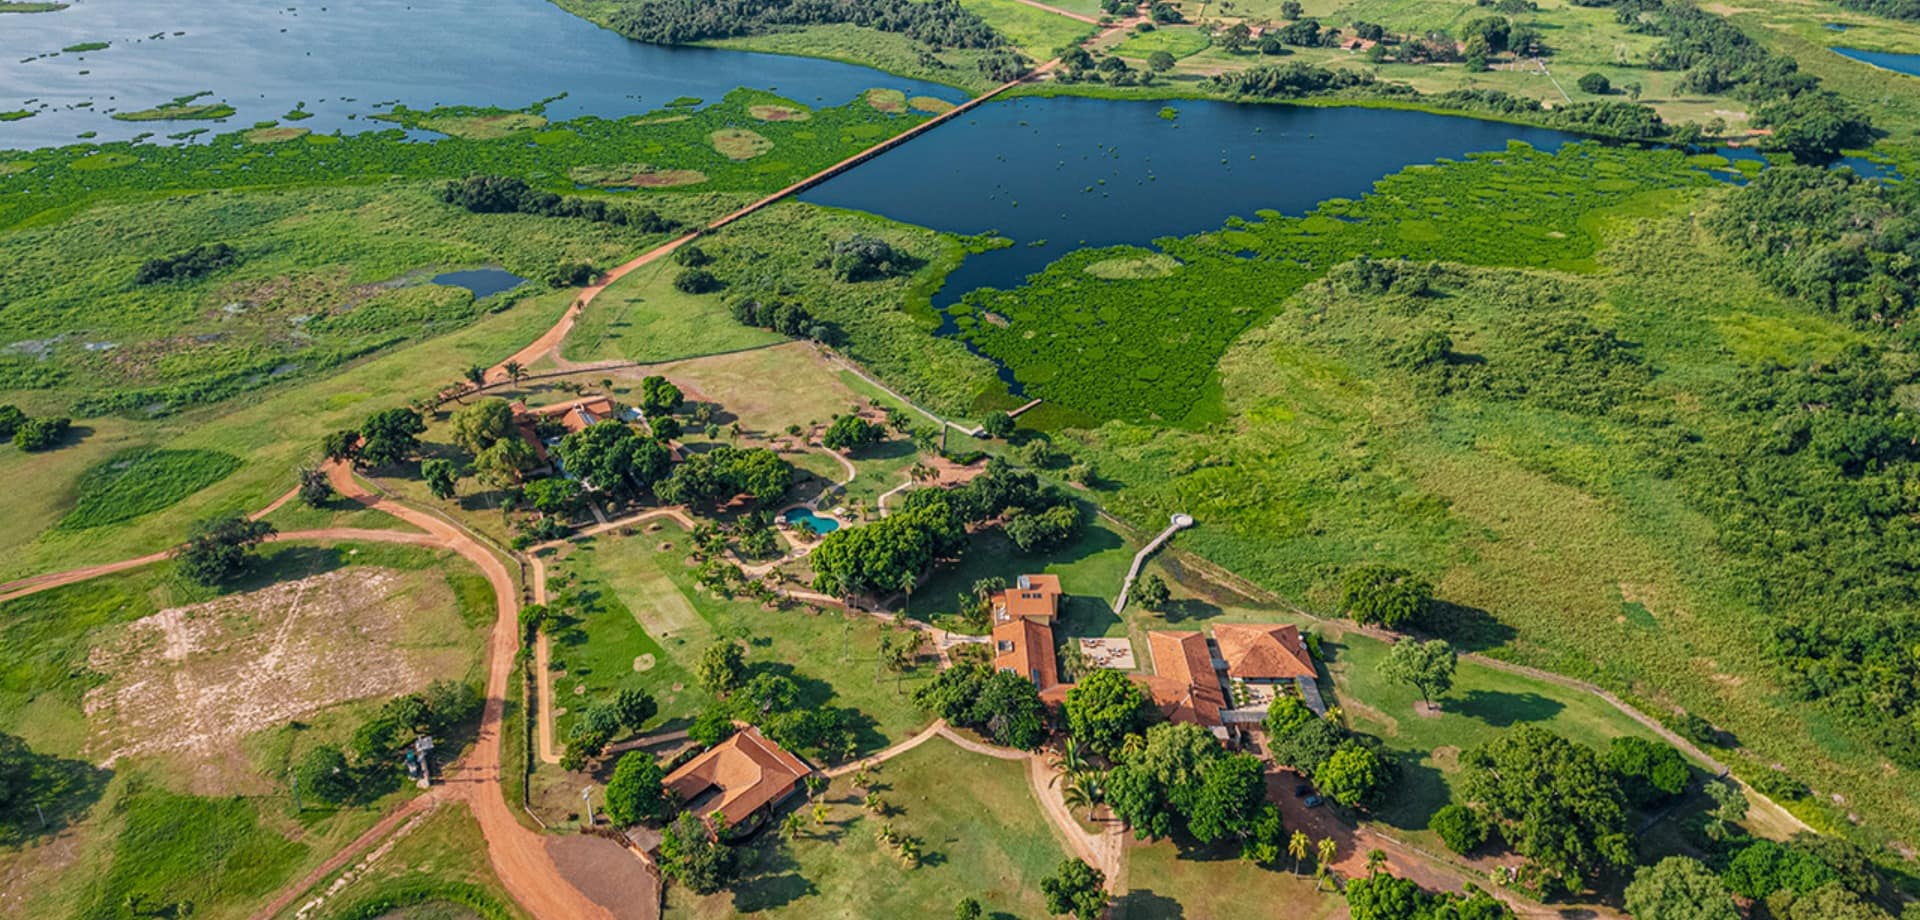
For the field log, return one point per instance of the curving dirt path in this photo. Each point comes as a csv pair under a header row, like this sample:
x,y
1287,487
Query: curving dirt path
x,y
549,341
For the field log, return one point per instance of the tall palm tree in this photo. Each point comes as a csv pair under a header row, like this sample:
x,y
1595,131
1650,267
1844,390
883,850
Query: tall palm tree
x,y
1297,846
1077,795
515,372
1070,759
1327,851
791,827
1376,860
477,376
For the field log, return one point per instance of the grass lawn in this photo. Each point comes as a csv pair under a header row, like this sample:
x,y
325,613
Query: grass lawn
x,y
442,860
1163,881
1090,573
1179,41
276,431
1031,29
975,817
642,317
639,601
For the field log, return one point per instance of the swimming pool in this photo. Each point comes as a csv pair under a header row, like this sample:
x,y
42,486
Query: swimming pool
x,y
804,517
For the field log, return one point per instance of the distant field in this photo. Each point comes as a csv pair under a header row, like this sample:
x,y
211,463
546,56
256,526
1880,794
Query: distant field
x,y
1177,41
1031,29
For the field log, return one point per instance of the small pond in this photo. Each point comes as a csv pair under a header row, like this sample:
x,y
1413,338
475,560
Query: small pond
x,y
483,282
805,517
1898,63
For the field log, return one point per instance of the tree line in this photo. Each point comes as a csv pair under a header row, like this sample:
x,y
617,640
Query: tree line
x,y
935,23
483,194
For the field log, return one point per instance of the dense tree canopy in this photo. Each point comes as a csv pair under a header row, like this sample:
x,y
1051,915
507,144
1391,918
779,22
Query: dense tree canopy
x,y
1679,888
218,548
939,23
1183,777
613,457
1103,709
635,792
723,473
877,556
1380,896
389,437
1379,595
1005,706
1552,800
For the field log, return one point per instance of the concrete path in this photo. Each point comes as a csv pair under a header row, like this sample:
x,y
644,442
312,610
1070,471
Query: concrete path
x,y
1180,522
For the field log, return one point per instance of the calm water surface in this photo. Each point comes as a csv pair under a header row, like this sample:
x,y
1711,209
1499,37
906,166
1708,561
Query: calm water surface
x,y
342,57
1899,63
483,282
1055,175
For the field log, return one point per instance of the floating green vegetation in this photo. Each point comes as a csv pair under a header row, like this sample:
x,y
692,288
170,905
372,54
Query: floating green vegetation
x,y
1169,113
890,101
1096,335
299,113
830,135
141,481
739,143
932,105
778,113
9,167
185,108
86,46
15,115
17,6
472,123
1153,265
633,175
685,102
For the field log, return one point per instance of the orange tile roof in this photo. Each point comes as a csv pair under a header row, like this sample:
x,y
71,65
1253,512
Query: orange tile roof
x,y
1025,647
1184,684
749,770
1263,651
1031,596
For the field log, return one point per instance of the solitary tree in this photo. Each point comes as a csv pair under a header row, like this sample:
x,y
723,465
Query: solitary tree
x,y
315,488
997,424
1076,889
1151,592
1298,846
1327,850
1382,596
694,856
721,667
440,476
1595,83
218,548
1160,61
1428,666
635,792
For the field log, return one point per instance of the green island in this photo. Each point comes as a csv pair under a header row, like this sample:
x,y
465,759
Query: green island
x,y
473,511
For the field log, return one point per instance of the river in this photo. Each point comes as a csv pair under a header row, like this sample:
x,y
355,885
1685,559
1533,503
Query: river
x,y
343,57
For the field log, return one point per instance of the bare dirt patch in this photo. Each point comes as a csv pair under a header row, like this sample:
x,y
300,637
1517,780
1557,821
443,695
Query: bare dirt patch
x,y
192,681
778,113
275,135
634,175
739,143
930,105
890,101
1426,710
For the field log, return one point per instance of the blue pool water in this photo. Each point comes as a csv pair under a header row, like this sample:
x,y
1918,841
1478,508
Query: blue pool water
x,y
483,282
803,517
1898,63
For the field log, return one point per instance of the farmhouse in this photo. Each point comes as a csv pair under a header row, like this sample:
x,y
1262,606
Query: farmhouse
x,y
1185,684
574,415
1023,618
738,776
1227,682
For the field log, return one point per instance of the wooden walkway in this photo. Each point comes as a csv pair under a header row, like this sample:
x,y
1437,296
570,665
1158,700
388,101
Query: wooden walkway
x,y
1180,522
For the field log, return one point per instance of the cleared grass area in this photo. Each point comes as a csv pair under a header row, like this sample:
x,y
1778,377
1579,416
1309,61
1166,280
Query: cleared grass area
x,y
888,51
137,482
644,623
1179,41
980,830
1090,571
1035,31
442,862
643,317
1164,881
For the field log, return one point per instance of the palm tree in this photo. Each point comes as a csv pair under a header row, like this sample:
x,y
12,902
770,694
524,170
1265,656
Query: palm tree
x,y
907,583
1376,860
477,376
1132,745
790,828
1075,662
1297,847
1077,795
515,371
876,804
1070,759
1327,850
819,812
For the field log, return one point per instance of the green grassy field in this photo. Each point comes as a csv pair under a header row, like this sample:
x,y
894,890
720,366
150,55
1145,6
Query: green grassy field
x,y
213,827
640,600
1177,41
1163,881
885,323
1034,31
441,862
982,833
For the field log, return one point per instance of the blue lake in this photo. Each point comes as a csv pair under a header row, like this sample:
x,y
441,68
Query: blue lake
x,y
341,59
1060,174
483,282
1898,63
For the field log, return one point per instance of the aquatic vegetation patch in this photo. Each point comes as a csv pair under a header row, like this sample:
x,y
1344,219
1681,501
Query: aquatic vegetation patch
x,y
739,143
84,47
297,114
9,167
104,161
1097,335
184,108
15,115
466,121
932,105
890,101
275,135
778,113
1151,265
20,6
141,481
634,175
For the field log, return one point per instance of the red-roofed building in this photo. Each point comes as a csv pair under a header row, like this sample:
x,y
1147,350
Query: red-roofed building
x,y
1266,652
1185,684
738,776
1022,620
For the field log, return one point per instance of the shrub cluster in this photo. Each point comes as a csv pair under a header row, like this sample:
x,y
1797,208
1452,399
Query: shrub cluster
x,y
182,266
484,194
